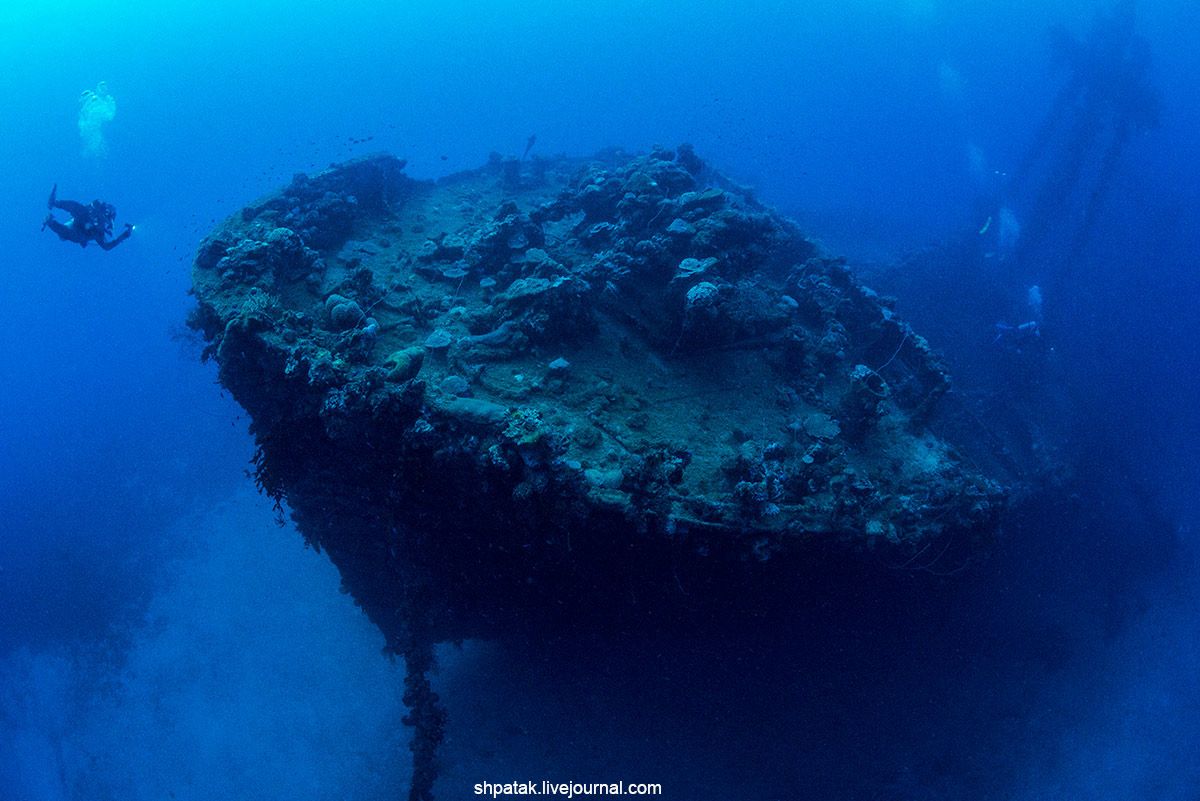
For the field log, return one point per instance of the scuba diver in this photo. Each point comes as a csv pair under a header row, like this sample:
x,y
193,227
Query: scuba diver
x,y
87,224
1024,333
1018,335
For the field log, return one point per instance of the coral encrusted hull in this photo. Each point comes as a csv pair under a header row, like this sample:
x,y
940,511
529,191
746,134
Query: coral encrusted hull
x,y
554,383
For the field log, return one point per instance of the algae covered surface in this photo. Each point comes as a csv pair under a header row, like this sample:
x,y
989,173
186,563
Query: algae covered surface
x,y
558,381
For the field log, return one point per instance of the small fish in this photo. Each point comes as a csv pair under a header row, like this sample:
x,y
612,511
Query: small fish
x,y
529,145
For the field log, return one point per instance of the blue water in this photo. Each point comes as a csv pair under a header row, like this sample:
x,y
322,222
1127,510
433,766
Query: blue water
x,y
161,637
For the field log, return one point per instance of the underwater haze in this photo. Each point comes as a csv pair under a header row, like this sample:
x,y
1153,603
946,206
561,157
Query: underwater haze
x,y
163,635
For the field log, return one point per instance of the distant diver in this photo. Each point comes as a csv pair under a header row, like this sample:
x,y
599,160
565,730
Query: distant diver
x,y
1025,332
1002,230
87,224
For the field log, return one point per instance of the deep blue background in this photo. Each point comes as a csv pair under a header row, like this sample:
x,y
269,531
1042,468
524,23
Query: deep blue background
x,y
122,484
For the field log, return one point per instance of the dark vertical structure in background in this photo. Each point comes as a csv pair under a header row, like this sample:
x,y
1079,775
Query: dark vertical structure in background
x,y
1029,401
1066,174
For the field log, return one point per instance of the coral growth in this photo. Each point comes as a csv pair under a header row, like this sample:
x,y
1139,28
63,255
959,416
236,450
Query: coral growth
x,y
548,387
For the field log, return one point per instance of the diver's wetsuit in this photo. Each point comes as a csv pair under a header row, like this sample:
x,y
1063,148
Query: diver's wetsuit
x,y
88,223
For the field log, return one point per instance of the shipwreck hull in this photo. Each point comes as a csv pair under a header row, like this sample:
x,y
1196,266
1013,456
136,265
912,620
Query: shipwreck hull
x,y
542,389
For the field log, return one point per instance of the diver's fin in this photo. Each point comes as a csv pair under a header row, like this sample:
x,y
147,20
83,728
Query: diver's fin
x,y
53,197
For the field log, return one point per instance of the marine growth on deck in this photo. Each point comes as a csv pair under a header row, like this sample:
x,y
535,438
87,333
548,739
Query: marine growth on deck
x,y
559,379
